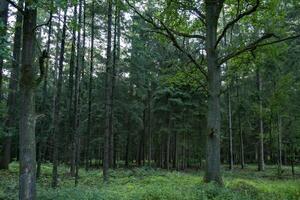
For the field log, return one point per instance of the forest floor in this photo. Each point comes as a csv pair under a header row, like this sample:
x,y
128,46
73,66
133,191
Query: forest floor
x,y
150,184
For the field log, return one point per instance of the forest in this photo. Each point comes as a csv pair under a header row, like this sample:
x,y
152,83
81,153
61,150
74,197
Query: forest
x,y
150,99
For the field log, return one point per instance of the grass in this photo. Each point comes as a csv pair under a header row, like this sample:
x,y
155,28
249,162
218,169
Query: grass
x,y
150,184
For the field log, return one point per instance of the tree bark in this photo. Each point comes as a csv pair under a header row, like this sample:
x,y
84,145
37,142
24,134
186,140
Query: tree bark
x,y
77,96
27,182
261,164
279,157
108,95
71,93
11,122
230,130
3,22
44,104
57,104
242,156
213,171
90,87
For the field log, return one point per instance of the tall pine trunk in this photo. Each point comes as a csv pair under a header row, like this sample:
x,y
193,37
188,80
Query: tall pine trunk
x,y
76,110
89,127
230,130
11,122
71,94
261,163
3,29
108,95
56,113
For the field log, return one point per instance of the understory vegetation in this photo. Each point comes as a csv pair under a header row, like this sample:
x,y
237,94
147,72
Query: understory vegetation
x,y
156,184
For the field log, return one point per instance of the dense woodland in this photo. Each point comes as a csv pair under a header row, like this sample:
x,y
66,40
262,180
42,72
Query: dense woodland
x,y
102,85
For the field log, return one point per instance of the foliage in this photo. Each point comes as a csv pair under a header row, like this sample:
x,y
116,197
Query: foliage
x,y
154,184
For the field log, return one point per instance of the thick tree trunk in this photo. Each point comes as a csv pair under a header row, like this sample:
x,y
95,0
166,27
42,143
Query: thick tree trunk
x,y
56,114
108,95
27,180
213,171
11,122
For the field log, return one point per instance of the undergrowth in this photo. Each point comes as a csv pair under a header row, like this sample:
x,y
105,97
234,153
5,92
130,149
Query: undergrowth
x,y
150,184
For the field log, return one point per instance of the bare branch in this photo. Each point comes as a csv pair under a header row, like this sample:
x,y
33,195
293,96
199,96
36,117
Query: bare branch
x,y
16,6
257,44
239,17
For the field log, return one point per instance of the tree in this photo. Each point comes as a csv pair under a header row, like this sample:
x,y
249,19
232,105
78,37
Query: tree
x,y
108,94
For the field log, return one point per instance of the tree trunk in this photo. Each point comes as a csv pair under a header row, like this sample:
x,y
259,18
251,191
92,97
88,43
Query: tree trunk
x,y
279,157
261,164
89,131
11,122
230,130
213,171
108,95
44,127
77,96
242,157
71,92
27,175
168,142
3,22
56,115
149,125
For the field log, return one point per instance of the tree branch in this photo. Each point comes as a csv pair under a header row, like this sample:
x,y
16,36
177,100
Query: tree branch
x,y
201,16
256,44
240,16
42,59
44,24
16,6
165,31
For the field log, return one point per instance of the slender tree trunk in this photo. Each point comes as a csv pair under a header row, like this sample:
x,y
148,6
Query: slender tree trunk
x,y
168,142
279,157
242,156
71,92
213,171
108,95
293,162
116,55
3,22
11,122
77,96
56,115
44,127
230,130
90,87
27,182
149,125
261,164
